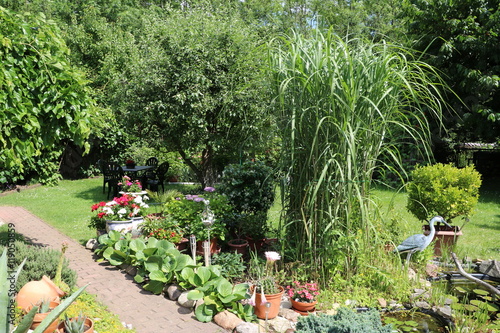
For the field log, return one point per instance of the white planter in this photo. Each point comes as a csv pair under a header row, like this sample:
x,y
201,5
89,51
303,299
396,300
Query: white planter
x,y
134,194
136,226
122,227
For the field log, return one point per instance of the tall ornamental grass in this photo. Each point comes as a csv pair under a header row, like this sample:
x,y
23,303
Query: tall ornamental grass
x,y
341,108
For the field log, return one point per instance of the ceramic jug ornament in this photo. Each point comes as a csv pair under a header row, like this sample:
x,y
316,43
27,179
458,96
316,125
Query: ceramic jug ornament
x,y
36,291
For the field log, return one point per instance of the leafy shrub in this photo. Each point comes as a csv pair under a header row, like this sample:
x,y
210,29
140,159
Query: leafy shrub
x,y
345,321
443,189
231,264
39,262
186,210
249,186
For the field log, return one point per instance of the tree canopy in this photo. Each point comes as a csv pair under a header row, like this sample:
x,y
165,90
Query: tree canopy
x,y
44,101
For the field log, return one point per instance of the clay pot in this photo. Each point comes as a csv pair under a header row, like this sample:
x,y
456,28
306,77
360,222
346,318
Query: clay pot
x,y
303,308
214,247
182,245
274,309
36,291
39,317
238,245
89,326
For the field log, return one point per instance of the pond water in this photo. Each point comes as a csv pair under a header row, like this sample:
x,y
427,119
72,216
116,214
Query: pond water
x,y
415,321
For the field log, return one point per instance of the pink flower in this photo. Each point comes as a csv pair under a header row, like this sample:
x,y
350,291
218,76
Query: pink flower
x,y
252,299
263,299
272,256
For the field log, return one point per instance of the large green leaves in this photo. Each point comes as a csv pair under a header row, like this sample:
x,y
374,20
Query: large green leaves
x,y
44,101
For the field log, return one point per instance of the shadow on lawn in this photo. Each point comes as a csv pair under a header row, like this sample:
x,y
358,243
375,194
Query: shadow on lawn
x,y
490,190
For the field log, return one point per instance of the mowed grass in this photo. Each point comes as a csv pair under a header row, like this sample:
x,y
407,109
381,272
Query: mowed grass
x,y
67,208
481,235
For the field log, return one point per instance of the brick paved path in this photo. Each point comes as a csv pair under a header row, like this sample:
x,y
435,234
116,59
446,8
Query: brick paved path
x,y
146,312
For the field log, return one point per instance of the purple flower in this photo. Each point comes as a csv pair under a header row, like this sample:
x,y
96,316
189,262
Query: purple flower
x,y
189,197
198,199
209,189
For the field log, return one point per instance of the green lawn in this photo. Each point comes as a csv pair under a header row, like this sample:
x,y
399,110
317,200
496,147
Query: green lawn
x,y
67,207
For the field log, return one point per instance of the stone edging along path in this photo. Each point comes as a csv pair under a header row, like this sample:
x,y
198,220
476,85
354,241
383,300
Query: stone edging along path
x,y
147,313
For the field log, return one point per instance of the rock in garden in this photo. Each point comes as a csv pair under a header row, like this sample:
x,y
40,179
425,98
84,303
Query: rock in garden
x,y
382,302
289,314
432,270
422,305
245,327
444,311
227,320
184,301
286,304
174,291
92,244
279,324
131,270
490,267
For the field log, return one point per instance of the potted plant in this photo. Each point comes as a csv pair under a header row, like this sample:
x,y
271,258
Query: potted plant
x,y
80,324
303,296
118,214
44,308
266,293
250,189
129,186
442,189
188,209
130,163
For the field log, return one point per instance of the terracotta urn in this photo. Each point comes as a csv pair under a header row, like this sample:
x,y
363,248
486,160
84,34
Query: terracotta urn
x,y
36,291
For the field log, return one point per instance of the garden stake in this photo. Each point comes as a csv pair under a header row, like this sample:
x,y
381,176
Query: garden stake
x,y
192,243
206,252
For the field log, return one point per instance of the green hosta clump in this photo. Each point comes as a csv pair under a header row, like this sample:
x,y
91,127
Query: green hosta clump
x,y
443,189
345,320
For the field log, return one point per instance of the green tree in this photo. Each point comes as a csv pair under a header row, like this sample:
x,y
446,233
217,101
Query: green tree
x,y
44,101
193,85
460,38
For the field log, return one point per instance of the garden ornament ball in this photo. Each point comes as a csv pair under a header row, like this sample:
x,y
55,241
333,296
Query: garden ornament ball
x,y
419,242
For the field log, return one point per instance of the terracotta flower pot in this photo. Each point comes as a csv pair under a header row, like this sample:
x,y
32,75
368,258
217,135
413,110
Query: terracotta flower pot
x,y
89,326
214,248
182,245
273,299
445,237
238,245
303,308
39,317
36,291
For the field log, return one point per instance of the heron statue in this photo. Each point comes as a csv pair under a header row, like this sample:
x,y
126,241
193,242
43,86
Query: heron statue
x,y
419,242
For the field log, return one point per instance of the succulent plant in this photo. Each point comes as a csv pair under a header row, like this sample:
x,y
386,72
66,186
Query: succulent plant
x,y
75,325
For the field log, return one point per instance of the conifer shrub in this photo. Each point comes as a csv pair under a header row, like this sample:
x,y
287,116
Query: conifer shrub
x,y
40,261
344,321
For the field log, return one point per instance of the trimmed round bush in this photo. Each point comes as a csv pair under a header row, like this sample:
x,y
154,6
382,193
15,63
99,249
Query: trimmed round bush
x,y
442,189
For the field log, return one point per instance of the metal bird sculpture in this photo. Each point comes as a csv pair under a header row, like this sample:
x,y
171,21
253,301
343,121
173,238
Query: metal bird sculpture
x,y
419,242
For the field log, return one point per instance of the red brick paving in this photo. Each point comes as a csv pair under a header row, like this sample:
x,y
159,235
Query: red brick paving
x,y
147,313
